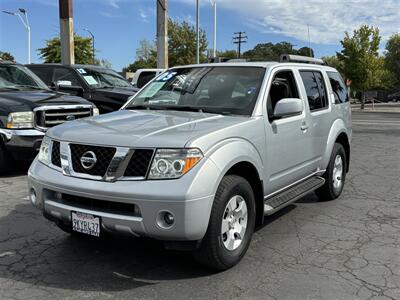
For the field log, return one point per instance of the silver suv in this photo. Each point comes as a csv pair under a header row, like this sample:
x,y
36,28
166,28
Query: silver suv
x,y
199,156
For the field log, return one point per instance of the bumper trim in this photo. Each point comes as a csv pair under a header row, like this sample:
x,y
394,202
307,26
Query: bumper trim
x,y
10,133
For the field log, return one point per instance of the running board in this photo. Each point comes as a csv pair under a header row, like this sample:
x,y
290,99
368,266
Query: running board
x,y
286,197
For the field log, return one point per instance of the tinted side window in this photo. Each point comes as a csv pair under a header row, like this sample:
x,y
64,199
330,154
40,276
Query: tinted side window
x,y
144,78
65,75
315,89
45,74
338,87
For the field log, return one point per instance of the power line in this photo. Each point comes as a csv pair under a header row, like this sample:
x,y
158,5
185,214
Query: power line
x,y
239,39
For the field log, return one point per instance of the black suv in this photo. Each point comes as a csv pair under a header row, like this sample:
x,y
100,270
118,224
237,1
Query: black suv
x,y
28,108
104,87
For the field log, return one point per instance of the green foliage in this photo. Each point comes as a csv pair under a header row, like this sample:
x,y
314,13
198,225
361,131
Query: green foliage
x,y
231,54
392,57
83,49
6,56
360,58
272,52
182,43
181,48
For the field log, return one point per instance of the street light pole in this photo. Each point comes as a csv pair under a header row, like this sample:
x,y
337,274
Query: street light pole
x,y
214,4
92,35
26,25
197,32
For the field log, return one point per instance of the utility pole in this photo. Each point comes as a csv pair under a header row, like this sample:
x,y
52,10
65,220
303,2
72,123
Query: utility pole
x,y
309,39
239,39
197,32
162,34
66,32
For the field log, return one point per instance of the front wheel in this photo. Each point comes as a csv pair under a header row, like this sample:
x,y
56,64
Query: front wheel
x,y
231,224
335,175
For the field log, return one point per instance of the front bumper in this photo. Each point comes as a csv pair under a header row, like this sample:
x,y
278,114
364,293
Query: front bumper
x,y
22,144
189,199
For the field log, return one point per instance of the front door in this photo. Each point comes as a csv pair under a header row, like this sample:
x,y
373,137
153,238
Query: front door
x,y
289,142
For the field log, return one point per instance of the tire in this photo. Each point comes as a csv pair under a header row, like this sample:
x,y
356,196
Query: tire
x,y
5,160
333,187
220,250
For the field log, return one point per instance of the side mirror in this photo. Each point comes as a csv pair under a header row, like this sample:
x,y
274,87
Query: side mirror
x,y
288,107
68,88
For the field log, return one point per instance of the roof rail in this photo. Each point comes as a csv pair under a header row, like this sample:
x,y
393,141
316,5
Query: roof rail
x,y
301,59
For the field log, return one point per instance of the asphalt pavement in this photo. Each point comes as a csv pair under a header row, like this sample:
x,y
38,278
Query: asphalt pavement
x,y
343,249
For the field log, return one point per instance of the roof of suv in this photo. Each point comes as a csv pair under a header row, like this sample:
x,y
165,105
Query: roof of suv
x,y
262,64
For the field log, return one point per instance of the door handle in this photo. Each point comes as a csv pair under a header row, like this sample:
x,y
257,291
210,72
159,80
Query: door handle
x,y
304,126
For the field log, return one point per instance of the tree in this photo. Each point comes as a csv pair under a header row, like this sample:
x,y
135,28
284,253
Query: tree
x,y
392,57
83,49
360,58
182,43
181,48
6,56
334,62
272,52
231,54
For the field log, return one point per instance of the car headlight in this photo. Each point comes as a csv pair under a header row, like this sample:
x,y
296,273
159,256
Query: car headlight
x,y
96,111
44,152
173,163
18,120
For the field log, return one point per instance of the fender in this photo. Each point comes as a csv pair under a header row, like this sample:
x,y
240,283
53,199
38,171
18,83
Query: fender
x,y
337,128
231,151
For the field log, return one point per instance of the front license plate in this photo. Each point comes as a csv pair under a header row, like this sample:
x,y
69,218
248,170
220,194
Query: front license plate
x,y
85,223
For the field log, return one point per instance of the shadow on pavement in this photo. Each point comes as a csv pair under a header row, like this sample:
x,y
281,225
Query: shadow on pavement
x,y
33,250
18,168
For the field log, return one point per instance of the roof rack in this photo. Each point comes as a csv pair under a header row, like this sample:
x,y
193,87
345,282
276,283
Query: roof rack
x,y
301,59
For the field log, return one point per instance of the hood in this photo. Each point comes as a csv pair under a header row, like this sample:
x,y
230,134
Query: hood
x,y
119,93
28,100
142,129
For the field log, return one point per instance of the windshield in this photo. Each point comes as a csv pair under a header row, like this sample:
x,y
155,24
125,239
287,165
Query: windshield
x,y
222,90
20,78
103,78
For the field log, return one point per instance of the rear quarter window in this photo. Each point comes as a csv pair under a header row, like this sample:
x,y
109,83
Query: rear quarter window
x,y
339,89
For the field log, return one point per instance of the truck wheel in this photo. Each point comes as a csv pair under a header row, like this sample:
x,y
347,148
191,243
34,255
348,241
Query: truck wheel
x,y
335,175
231,224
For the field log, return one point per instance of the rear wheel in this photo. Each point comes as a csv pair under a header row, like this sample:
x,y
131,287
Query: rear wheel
x,y
335,175
231,224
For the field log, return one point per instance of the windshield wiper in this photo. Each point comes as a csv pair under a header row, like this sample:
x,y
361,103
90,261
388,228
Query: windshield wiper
x,y
9,88
149,107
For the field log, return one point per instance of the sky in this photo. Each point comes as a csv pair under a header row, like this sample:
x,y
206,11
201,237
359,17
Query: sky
x,y
119,25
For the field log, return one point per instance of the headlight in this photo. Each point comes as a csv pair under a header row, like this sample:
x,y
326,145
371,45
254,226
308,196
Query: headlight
x,y
20,120
96,111
173,163
44,152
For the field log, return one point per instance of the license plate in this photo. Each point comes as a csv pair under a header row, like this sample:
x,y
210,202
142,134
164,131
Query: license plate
x,y
85,223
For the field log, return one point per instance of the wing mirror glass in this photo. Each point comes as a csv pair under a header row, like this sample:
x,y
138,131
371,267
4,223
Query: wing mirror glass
x,y
288,107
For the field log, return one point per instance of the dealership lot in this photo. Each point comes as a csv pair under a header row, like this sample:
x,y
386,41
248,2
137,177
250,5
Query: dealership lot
x,y
344,249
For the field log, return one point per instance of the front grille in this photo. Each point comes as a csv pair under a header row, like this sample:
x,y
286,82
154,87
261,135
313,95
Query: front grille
x,y
139,163
55,154
49,117
119,208
104,156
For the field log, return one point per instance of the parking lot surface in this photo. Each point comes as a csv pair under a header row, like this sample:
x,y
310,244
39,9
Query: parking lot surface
x,y
343,249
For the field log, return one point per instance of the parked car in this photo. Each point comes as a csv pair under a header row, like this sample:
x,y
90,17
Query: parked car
x,y
27,109
143,76
104,87
199,156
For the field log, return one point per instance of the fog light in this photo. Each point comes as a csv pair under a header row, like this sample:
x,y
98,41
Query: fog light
x,y
165,219
169,218
32,195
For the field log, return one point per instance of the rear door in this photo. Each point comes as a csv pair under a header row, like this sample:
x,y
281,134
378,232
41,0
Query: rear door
x,y
315,89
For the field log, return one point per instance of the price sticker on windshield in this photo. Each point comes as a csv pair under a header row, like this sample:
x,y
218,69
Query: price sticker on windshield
x,y
152,89
166,76
81,71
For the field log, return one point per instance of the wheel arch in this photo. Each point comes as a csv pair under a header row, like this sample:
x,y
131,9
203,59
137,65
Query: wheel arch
x,y
344,141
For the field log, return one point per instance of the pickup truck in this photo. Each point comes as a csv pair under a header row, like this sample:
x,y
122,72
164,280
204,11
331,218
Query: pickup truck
x,y
104,87
27,109
200,155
